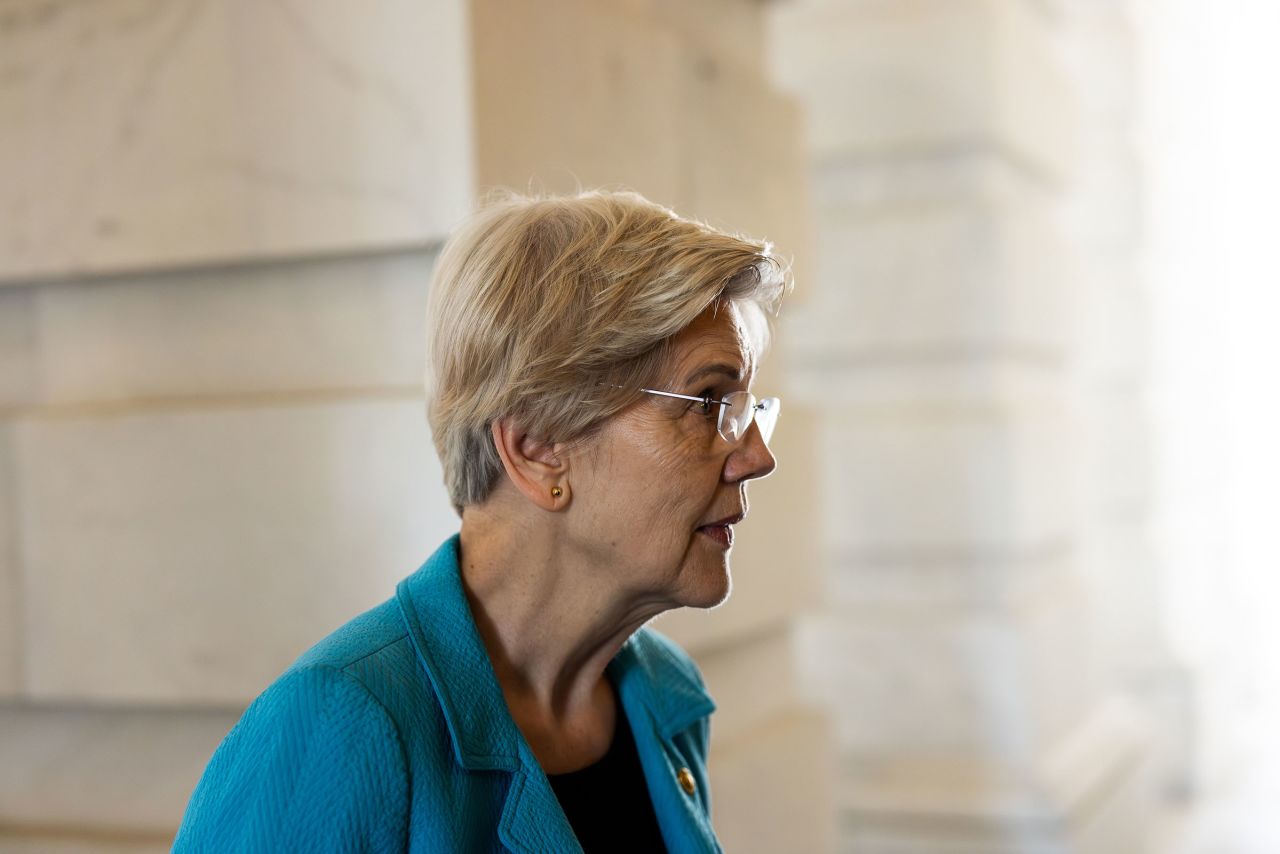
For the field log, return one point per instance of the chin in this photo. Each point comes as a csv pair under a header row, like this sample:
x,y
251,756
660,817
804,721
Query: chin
x,y
713,589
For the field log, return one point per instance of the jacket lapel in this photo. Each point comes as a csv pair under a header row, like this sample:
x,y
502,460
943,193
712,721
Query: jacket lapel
x,y
662,703
482,733
532,820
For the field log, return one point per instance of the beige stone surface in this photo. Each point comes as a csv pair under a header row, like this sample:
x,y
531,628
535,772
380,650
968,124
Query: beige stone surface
x,y
772,789
970,384
341,323
918,679
957,281
40,842
972,579
1104,210
944,281
115,778
940,481
1119,560
576,93
194,132
19,347
748,172
651,97
1091,797
1112,337
11,615
887,78
1100,56
723,34
735,673
982,175
1118,458
189,556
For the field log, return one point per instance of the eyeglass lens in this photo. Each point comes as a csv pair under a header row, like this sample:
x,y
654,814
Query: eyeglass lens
x,y
741,407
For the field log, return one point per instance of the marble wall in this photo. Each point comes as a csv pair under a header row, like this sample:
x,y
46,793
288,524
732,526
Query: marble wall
x,y
206,471
1104,221
960,321
190,430
668,98
144,134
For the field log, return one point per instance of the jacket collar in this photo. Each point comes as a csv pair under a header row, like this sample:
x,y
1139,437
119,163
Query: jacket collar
x,y
681,701
482,732
448,644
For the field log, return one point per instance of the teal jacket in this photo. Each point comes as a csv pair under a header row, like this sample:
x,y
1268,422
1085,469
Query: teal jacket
x,y
392,734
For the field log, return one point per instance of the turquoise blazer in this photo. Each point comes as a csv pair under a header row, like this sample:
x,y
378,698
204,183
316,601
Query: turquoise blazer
x,y
392,734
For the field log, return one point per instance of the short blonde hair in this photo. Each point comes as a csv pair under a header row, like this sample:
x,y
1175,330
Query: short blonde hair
x,y
555,311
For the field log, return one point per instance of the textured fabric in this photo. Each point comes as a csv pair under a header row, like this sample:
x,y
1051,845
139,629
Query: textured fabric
x,y
392,734
608,803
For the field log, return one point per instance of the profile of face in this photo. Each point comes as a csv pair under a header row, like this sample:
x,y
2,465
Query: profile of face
x,y
654,488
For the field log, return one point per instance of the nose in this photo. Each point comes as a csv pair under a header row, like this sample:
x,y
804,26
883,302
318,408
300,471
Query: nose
x,y
750,459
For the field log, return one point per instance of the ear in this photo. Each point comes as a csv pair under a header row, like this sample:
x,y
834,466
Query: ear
x,y
533,465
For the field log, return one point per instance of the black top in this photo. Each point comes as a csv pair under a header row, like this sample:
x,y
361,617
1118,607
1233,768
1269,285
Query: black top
x,y
607,803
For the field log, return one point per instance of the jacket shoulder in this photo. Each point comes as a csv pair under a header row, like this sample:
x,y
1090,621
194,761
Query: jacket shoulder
x,y
315,758
375,651
368,634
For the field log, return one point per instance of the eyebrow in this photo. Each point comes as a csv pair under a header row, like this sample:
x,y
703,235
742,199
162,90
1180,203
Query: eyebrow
x,y
733,372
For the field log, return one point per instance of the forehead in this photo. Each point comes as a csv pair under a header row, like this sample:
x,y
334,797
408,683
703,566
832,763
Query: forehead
x,y
718,335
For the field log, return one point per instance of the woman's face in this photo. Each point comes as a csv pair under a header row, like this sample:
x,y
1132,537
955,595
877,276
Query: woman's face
x,y
649,490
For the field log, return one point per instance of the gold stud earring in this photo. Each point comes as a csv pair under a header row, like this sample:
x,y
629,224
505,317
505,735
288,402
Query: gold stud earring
x,y
556,492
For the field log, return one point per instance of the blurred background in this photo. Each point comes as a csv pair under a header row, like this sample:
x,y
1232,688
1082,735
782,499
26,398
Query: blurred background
x,y
1012,589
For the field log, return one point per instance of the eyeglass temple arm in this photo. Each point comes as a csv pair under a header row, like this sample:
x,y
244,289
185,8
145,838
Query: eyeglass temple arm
x,y
682,396
759,405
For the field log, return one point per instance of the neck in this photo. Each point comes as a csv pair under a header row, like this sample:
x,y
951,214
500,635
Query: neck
x,y
551,619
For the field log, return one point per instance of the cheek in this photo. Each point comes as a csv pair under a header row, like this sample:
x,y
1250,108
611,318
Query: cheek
x,y
672,478
671,461
672,443
682,483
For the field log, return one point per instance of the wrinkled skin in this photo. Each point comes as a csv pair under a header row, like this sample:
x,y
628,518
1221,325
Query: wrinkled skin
x,y
659,470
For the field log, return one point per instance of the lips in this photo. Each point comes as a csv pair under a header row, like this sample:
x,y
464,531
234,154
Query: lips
x,y
721,534
727,520
721,531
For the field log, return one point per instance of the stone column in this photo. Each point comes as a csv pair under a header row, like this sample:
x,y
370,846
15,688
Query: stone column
x,y
959,650
1102,220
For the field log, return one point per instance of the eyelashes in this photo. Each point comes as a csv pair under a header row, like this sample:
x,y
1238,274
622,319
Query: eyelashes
x,y
706,405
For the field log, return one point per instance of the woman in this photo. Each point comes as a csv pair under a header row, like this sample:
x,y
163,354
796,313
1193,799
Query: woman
x,y
588,396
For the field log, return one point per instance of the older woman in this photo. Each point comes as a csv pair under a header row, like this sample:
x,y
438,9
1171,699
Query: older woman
x,y
589,373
